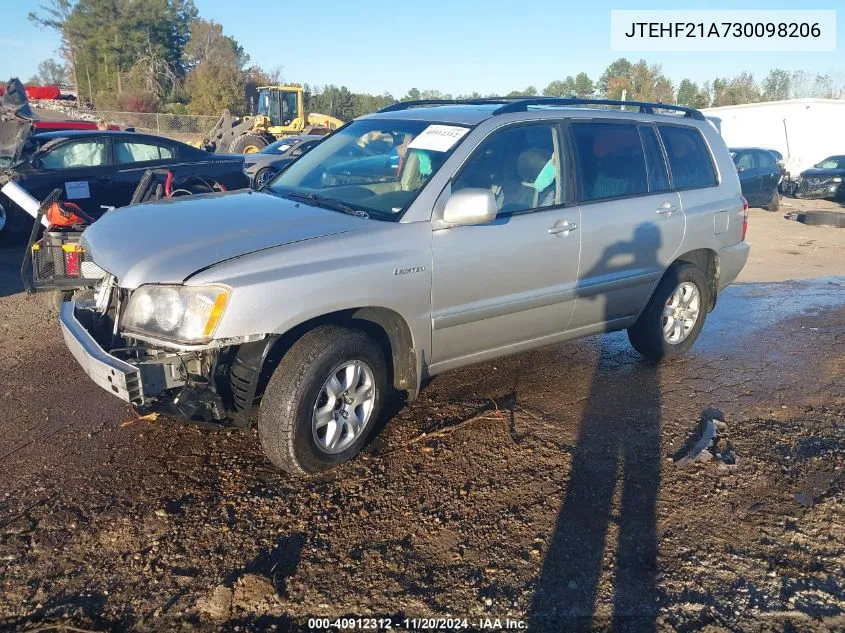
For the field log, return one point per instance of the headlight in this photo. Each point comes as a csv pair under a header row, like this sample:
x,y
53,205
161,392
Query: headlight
x,y
837,179
186,314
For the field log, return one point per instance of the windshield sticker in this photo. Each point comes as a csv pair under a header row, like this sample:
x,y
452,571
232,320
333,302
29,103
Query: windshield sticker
x,y
77,190
438,138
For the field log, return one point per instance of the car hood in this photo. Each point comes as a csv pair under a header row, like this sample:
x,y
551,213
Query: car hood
x,y
251,160
168,241
822,173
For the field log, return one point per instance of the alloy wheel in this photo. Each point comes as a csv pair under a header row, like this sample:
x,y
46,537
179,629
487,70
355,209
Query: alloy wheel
x,y
343,407
681,312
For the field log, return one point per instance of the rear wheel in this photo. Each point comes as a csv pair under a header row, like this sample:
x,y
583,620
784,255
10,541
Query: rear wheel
x,y
323,400
774,202
674,316
248,143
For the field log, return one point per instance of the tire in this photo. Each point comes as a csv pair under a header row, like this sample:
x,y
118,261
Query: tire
x,y
825,218
286,418
647,333
248,143
774,203
262,177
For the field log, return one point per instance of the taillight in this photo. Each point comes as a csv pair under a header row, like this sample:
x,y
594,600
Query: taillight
x,y
744,219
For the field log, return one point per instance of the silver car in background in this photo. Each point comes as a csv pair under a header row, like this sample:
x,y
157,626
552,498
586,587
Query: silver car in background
x,y
260,167
424,237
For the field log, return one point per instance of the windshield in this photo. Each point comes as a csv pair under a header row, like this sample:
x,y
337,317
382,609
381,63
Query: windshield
x,y
374,166
834,162
279,147
263,102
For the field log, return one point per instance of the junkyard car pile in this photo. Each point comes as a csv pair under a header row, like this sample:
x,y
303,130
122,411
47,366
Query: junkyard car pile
x,y
375,261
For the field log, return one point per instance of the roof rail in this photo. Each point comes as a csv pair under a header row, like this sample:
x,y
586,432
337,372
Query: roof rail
x,y
521,104
645,107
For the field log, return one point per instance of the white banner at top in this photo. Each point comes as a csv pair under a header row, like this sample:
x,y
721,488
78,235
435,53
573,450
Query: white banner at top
x,y
722,30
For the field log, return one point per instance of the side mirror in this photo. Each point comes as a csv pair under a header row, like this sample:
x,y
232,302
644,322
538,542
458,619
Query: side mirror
x,y
470,206
740,169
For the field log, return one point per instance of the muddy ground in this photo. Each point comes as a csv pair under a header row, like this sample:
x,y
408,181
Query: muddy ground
x,y
538,487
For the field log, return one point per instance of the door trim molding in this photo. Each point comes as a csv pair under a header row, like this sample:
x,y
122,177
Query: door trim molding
x,y
453,319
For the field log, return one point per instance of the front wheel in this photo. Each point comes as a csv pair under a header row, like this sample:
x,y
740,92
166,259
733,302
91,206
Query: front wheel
x,y
323,400
262,177
674,316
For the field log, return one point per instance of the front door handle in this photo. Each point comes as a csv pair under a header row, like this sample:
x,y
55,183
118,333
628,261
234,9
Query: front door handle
x,y
563,228
667,208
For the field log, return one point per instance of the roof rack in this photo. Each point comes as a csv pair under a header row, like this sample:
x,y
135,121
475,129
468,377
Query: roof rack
x,y
521,104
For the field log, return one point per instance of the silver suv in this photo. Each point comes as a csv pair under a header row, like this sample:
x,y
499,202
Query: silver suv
x,y
424,237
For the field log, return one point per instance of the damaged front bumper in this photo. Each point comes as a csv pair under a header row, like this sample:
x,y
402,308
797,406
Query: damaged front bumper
x,y
109,372
147,376
813,189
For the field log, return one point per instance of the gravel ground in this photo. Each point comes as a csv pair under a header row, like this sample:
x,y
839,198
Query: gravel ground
x,y
539,487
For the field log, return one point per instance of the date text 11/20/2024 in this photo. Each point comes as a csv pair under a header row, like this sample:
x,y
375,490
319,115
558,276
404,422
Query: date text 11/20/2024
x,y
416,624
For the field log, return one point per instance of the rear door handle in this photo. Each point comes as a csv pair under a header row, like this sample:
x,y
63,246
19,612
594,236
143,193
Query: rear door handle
x,y
563,227
666,209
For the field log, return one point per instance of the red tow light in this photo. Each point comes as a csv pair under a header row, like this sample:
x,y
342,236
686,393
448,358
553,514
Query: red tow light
x,y
744,219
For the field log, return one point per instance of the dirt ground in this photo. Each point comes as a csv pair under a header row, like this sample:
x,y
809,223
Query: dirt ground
x,y
538,488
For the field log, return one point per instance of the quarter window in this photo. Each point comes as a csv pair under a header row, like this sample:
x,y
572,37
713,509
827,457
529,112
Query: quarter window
x,y
611,160
521,165
75,154
689,159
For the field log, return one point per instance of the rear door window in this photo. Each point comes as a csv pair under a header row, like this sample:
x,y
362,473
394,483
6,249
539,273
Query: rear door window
x,y
744,161
137,152
658,176
610,159
766,160
689,158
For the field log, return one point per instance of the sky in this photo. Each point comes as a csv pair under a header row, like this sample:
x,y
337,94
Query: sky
x,y
488,46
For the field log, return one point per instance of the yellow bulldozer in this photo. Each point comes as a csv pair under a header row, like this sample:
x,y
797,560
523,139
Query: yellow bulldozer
x,y
280,112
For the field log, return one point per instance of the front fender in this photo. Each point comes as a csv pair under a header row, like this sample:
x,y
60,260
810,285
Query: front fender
x,y
277,289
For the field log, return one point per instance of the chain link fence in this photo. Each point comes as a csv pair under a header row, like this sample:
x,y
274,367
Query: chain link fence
x,y
191,127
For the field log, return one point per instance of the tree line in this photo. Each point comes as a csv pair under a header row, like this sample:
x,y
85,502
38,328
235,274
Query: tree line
x,y
160,56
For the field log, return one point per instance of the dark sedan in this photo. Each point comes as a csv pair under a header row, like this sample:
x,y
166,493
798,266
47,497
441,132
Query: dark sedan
x,y
759,176
260,167
824,180
98,169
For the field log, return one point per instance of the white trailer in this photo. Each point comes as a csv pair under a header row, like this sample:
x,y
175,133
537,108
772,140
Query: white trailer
x,y
804,130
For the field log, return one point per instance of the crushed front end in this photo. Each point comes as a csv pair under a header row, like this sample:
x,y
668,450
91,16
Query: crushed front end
x,y
190,380
820,187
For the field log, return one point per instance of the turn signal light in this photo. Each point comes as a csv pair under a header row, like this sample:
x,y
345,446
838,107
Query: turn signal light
x,y
744,219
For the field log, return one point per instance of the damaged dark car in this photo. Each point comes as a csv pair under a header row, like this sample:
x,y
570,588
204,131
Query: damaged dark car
x,y
824,180
100,169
